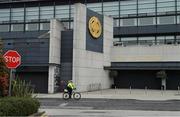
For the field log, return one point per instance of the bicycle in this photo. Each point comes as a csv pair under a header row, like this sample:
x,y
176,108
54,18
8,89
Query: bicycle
x,y
75,95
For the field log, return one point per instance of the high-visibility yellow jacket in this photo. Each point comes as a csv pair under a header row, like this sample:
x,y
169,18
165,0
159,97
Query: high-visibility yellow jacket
x,y
71,85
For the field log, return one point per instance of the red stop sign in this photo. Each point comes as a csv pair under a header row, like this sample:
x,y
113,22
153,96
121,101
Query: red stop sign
x,y
12,59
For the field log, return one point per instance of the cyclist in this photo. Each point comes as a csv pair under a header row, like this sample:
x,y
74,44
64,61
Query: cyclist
x,y
70,87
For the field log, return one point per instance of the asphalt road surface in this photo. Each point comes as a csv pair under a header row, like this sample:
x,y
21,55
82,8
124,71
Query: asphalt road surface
x,y
111,104
110,108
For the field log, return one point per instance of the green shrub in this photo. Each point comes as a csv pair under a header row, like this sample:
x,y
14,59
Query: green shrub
x,y
20,88
18,106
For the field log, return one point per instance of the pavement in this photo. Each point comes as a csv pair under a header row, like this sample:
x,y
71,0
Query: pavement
x,y
54,106
109,113
138,94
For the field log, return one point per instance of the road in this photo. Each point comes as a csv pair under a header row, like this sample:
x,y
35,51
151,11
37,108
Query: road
x,y
110,108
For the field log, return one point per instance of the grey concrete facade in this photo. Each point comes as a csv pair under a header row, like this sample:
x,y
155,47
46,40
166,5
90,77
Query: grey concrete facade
x,y
88,66
154,53
54,52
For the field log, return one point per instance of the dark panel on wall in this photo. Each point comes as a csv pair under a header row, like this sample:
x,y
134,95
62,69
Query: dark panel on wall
x,y
39,80
167,29
144,66
124,31
95,45
34,51
137,79
66,55
32,69
146,30
173,79
2,6
23,35
66,46
146,78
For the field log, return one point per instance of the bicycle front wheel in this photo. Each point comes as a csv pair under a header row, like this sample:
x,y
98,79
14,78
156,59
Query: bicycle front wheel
x,y
77,96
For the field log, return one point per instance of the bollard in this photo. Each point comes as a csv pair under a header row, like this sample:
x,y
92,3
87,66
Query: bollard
x,y
145,89
115,89
162,90
178,90
130,89
100,87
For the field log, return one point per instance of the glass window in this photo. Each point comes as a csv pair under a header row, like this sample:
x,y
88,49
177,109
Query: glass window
x,y
129,41
117,42
32,14
129,22
111,9
146,6
146,21
46,12
169,39
146,40
45,26
32,27
165,6
72,11
97,7
66,25
166,20
17,14
4,15
128,8
62,11
160,39
165,39
17,27
178,19
116,22
4,28
178,5
72,25
178,39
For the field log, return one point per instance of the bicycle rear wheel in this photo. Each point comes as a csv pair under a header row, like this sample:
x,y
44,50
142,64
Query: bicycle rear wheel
x,y
65,96
77,96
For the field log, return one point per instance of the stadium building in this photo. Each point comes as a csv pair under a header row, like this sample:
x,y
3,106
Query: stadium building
x,y
96,43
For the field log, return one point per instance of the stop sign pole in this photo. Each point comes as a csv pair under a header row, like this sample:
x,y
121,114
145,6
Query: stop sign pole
x,y
13,60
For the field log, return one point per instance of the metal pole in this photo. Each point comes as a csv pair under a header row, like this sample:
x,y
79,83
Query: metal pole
x,y
145,89
10,79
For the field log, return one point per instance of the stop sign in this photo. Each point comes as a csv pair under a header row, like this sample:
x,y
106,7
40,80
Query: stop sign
x,y
12,59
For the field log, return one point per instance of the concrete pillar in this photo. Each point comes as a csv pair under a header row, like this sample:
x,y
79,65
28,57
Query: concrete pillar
x,y
54,51
51,79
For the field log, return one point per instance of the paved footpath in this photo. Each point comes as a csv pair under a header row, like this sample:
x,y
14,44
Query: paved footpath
x,y
163,99
108,113
124,94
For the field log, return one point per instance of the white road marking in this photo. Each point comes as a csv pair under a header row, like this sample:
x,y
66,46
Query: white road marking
x,y
63,104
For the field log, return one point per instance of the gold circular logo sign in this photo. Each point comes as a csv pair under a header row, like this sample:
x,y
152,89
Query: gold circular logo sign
x,y
95,27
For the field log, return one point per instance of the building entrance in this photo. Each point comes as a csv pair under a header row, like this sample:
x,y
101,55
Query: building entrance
x,y
137,79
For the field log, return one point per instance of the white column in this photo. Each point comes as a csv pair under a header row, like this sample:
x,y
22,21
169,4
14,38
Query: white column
x,y
54,51
51,79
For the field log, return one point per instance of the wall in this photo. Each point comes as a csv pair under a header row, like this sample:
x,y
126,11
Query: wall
x,y
34,51
159,53
54,52
88,66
